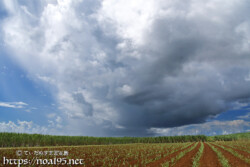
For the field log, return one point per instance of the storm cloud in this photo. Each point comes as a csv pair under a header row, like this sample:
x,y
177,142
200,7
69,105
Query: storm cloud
x,y
125,67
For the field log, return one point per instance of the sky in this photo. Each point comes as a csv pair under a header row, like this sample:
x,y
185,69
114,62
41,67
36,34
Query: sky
x,y
125,68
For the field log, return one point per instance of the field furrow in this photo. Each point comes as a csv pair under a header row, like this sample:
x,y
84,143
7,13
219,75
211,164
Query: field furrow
x,y
243,153
187,159
209,158
233,161
153,156
236,154
198,154
168,157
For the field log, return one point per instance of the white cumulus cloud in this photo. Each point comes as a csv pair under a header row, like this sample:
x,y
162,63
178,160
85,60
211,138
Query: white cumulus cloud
x,y
22,127
13,104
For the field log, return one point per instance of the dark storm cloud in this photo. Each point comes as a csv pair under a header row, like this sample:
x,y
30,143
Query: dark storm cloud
x,y
124,67
195,69
86,107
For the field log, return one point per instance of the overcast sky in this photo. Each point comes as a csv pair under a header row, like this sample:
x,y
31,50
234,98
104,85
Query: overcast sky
x,y
125,68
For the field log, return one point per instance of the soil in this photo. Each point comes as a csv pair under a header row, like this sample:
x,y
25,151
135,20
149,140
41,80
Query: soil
x,y
209,158
187,159
243,153
233,161
94,155
167,158
135,162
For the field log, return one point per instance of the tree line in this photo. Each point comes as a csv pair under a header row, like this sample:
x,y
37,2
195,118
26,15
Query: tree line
x,y
23,140
28,140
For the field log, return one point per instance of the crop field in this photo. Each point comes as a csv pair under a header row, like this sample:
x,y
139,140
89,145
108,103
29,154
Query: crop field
x,y
189,154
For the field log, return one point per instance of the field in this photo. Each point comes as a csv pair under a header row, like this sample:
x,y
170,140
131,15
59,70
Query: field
x,y
193,154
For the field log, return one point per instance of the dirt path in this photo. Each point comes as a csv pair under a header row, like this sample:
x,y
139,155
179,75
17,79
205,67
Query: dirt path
x,y
187,159
209,158
167,158
233,161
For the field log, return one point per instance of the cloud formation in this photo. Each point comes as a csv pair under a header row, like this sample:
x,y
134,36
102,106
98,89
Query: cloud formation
x,y
22,127
124,67
208,128
13,104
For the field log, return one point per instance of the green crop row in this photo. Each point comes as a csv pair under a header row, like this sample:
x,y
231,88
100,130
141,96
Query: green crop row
x,y
179,156
234,153
223,160
198,156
